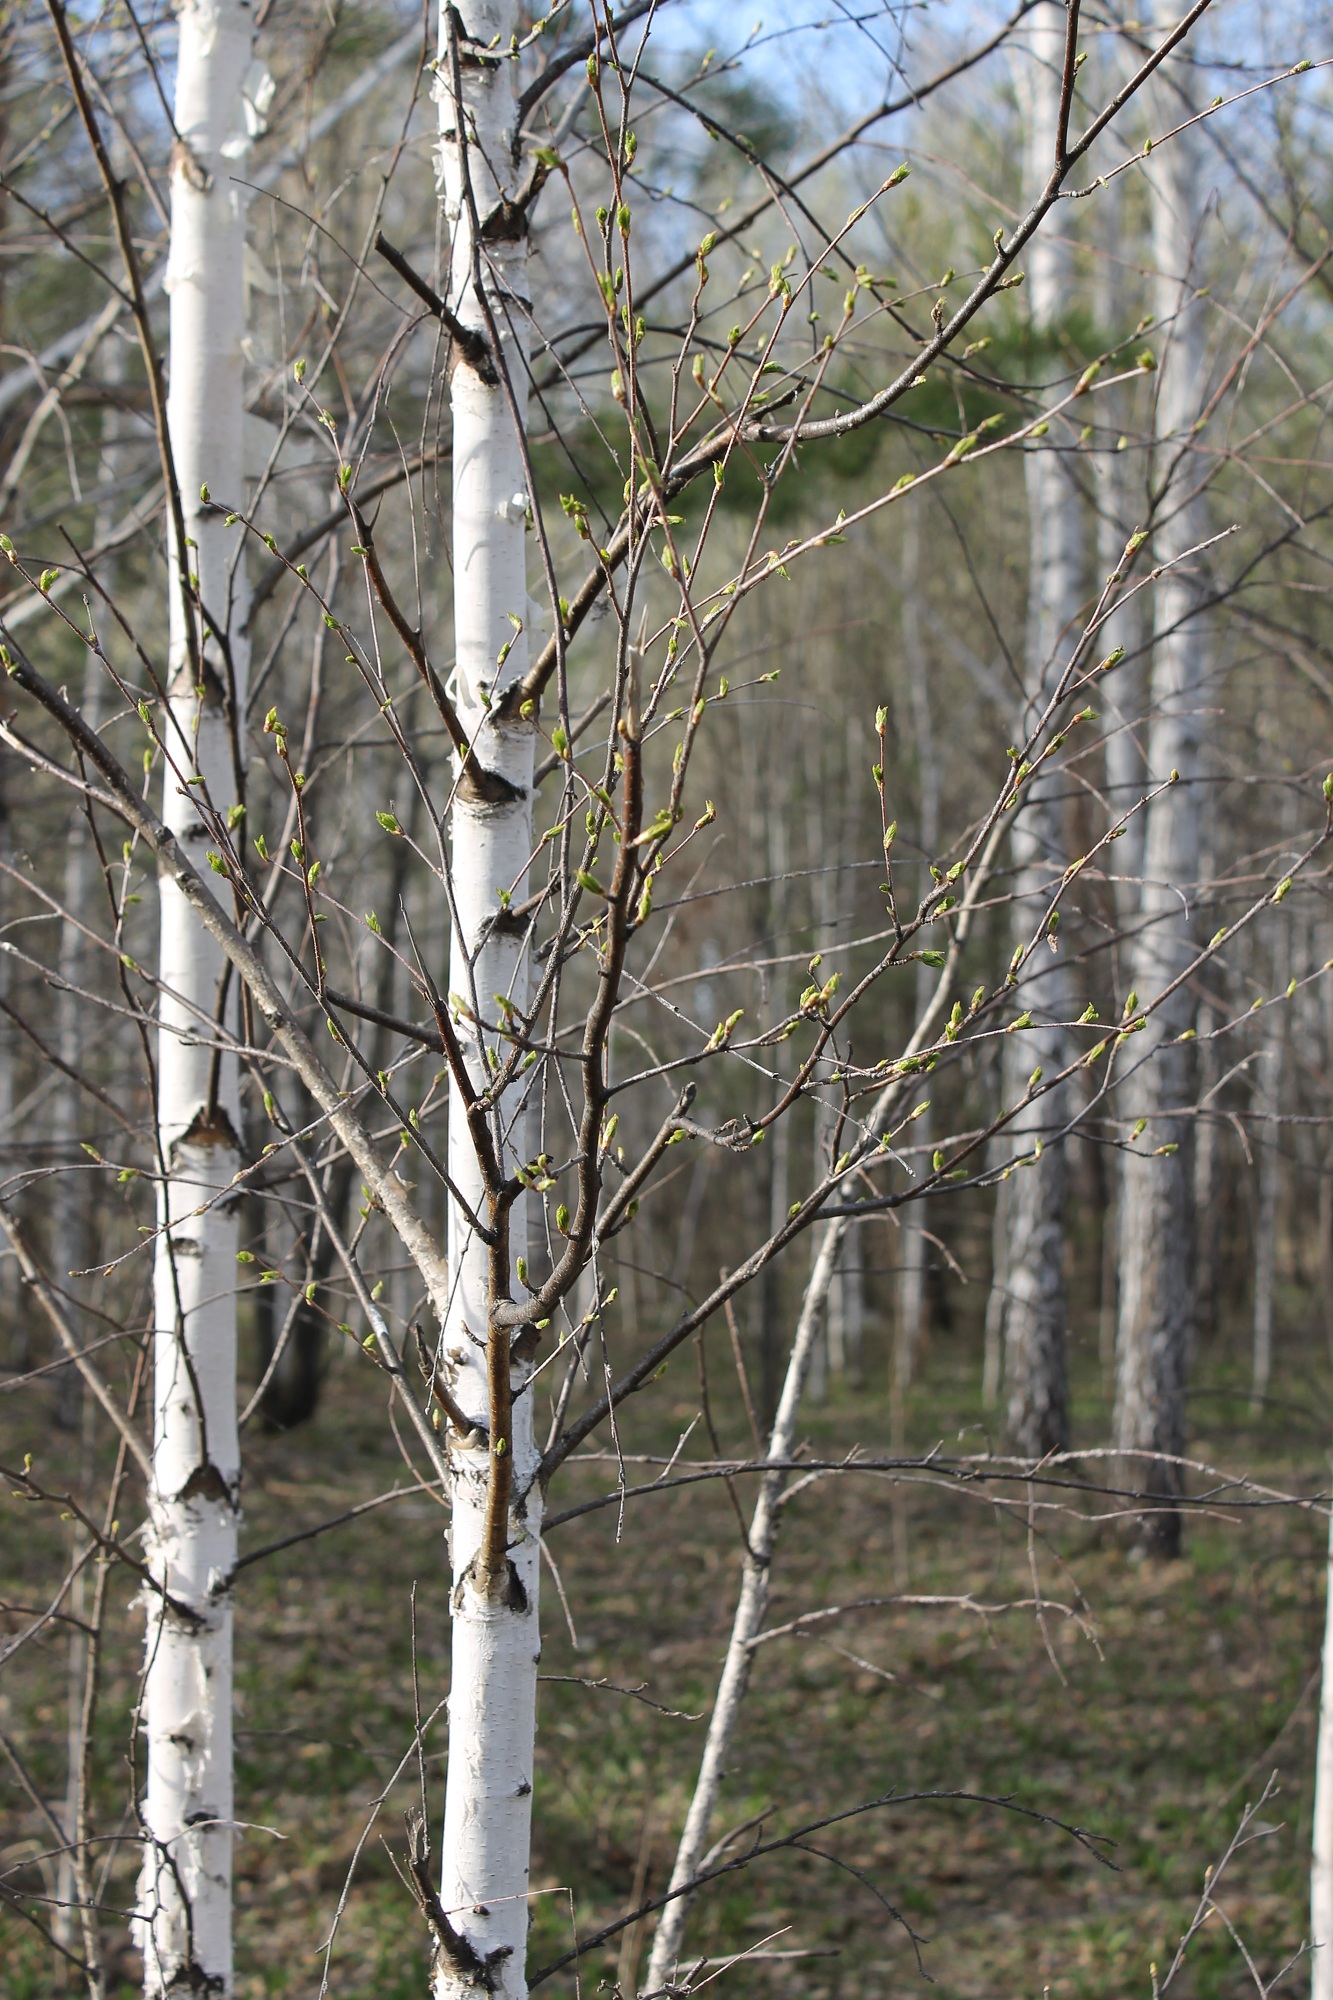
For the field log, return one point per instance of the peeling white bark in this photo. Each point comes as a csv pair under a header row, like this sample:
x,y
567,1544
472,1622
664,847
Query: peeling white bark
x,y
184,1909
496,1640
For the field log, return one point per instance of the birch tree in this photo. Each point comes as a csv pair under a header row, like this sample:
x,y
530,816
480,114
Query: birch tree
x,y
914,1249
611,579
194,1499
496,1497
1156,1211
1321,1866
1029,1216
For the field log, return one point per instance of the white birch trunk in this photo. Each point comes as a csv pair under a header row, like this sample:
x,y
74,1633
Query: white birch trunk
x,y
1030,1219
847,1311
779,1152
14,1309
184,1909
69,1197
1325,990
1156,1209
1207,1176
691,1854
69,1208
70,1217
1321,1865
1121,691
496,1640
1265,1229
1269,1092
911,1314
1124,720
845,1321
826,1357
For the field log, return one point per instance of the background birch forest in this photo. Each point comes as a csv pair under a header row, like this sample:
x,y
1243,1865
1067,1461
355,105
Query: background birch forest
x,y
899,1065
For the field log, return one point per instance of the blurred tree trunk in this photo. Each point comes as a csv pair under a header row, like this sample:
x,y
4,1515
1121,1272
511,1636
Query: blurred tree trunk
x,y
1321,1868
1156,1316
910,1318
1326,1173
1268,1138
14,1319
17,1346
70,1217
845,1325
823,861
778,1148
837,1349
184,1905
291,1346
1269,1098
1030,1213
1207,1174
1123,691
69,1200
847,1310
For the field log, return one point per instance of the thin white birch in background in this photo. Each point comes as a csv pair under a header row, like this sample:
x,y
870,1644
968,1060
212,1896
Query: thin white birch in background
x,y
1321,1865
1156,1312
1030,1209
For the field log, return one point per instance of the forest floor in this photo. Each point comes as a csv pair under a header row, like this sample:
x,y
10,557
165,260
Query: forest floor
x,y
1151,1718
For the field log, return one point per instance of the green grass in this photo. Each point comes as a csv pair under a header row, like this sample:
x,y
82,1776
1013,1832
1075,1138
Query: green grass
x,y
1155,1732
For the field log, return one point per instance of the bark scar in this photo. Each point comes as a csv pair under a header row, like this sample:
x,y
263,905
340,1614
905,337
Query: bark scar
x,y
206,1483
450,1943
196,173
210,1126
479,787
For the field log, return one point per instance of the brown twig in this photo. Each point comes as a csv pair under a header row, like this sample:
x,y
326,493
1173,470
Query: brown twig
x,y
473,347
